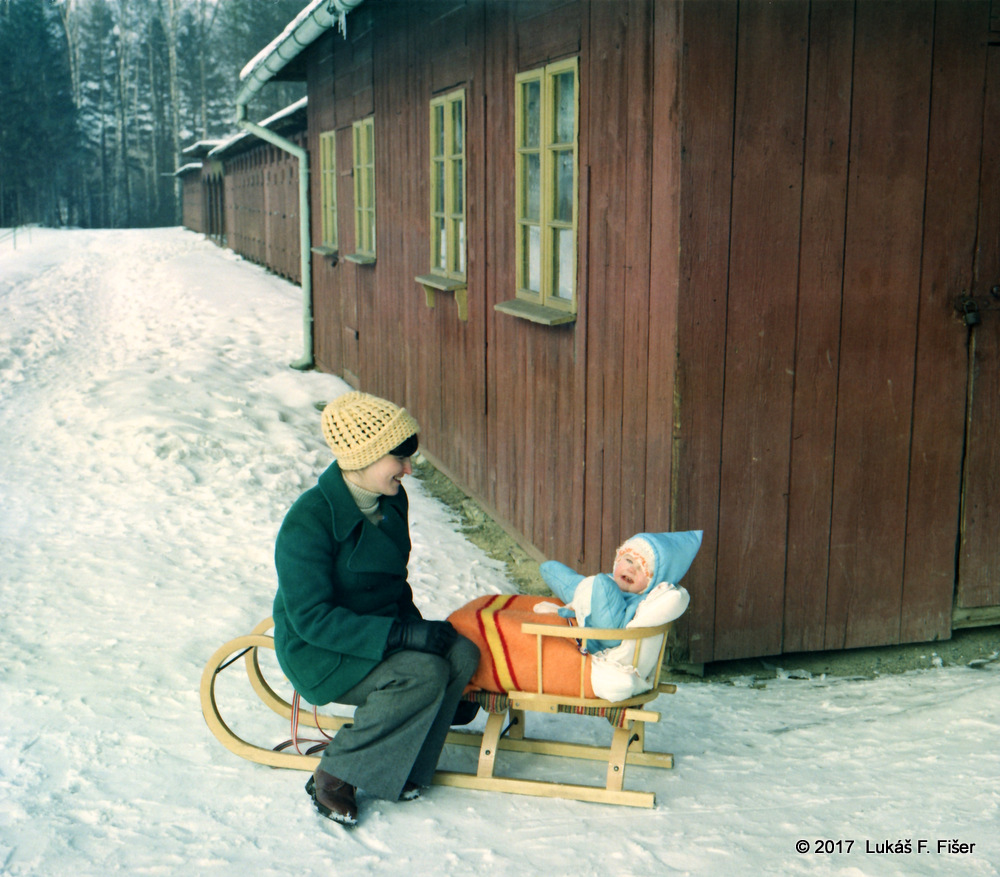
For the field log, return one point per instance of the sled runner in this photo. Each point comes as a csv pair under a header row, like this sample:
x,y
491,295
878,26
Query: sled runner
x,y
505,724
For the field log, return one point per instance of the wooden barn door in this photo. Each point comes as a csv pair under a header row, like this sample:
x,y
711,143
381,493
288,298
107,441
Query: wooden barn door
x,y
855,415
979,552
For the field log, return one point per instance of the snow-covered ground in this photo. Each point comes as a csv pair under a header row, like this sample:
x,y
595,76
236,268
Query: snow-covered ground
x,y
151,439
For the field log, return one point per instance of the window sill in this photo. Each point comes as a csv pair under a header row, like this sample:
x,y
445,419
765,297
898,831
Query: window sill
x,y
330,253
360,258
527,310
435,283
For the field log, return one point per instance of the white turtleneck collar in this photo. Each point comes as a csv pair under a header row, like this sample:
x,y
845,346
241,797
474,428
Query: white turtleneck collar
x,y
367,501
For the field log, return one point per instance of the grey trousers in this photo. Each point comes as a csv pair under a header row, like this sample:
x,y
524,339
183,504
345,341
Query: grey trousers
x,y
404,710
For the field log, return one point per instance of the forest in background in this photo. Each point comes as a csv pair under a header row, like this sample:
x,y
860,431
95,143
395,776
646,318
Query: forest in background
x,y
99,97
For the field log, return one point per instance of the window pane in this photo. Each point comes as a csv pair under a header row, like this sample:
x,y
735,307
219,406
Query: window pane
x,y
460,244
562,207
531,118
328,177
532,187
564,101
458,129
438,186
371,231
441,245
459,187
562,263
532,254
437,139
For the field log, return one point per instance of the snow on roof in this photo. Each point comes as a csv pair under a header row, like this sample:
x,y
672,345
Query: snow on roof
x,y
290,110
290,28
201,146
188,168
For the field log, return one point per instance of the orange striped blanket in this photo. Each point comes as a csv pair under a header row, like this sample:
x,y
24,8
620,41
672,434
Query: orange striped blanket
x,y
508,657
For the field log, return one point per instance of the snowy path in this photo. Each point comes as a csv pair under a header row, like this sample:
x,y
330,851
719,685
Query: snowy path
x,y
151,439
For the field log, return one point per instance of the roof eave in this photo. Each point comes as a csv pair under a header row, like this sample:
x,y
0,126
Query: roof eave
x,y
308,26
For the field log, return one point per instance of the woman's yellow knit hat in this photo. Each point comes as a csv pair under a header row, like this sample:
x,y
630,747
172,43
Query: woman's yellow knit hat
x,y
360,429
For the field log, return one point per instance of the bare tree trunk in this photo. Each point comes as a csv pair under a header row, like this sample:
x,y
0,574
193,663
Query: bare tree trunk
x,y
122,114
204,32
71,25
103,219
168,17
69,13
154,159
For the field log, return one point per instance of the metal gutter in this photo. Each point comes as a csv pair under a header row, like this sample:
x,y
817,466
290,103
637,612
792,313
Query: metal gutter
x,y
310,24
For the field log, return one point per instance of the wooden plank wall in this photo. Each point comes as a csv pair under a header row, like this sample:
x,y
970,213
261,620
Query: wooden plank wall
x,y
979,583
706,120
192,203
958,146
617,323
817,331
521,379
245,204
881,270
532,474
214,200
540,372
770,233
760,324
327,317
821,365
664,277
262,207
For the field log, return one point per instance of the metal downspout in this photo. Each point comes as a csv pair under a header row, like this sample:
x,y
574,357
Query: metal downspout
x,y
307,360
317,18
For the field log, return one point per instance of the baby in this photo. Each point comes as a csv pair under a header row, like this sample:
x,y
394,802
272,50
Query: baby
x,y
610,601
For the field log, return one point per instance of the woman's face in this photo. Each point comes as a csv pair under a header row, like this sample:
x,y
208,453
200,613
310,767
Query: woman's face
x,y
383,476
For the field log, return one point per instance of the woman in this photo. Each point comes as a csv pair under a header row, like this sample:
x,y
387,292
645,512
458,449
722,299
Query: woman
x,y
345,627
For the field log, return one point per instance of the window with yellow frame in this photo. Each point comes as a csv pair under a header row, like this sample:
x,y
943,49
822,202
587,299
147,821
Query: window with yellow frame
x,y
328,189
364,189
546,132
447,151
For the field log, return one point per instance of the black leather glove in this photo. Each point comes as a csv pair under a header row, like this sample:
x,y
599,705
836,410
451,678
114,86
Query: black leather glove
x,y
418,635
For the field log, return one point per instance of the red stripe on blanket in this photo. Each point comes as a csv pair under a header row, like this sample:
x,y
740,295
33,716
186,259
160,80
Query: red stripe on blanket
x,y
516,686
489,629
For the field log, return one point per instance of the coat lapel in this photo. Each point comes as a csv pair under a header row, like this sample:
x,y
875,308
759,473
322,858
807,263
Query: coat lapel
x,y
381,549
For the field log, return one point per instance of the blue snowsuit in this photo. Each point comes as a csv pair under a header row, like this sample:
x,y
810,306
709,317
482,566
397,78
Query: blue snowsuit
x,y
610,607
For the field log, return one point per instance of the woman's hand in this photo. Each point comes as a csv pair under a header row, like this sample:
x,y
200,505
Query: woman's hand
x,y
418,635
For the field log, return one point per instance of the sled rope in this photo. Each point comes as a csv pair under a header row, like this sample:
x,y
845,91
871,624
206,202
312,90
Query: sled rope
x,y
296,739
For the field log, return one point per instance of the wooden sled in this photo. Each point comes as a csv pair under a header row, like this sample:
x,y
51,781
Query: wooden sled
x,y
505,724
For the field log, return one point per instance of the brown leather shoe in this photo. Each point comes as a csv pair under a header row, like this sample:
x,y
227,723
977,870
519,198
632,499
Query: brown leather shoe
x,y
333,797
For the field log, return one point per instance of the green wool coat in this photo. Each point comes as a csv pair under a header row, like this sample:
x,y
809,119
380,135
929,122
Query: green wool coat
x,y
341,583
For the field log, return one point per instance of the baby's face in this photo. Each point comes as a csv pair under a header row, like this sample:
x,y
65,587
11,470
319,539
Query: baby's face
x,y
629,574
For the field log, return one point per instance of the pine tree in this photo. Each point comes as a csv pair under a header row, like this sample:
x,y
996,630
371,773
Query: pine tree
x,y
38,131
98,97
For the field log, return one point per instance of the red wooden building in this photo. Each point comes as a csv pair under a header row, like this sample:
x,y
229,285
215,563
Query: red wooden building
x,y
241,192
670,264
